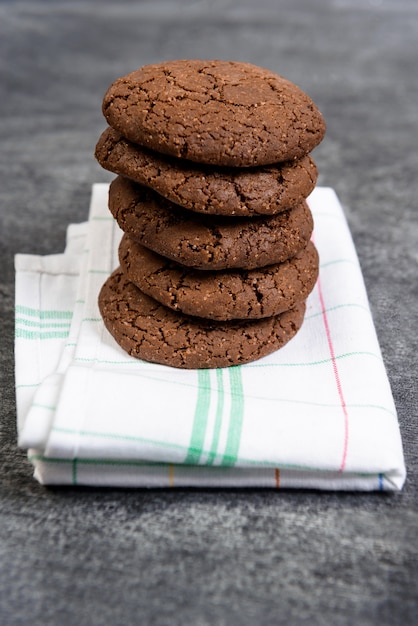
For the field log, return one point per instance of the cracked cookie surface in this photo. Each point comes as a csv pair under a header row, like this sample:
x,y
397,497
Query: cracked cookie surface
x,y
265,190
222,295
149,331
216,112
207,242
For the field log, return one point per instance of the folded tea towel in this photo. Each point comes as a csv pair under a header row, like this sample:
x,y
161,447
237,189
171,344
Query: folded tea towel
x,y
318,413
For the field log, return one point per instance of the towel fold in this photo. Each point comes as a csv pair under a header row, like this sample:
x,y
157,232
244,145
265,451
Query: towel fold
x,y
318,413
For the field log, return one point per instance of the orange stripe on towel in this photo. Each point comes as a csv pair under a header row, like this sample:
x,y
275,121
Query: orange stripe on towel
x,y
277,477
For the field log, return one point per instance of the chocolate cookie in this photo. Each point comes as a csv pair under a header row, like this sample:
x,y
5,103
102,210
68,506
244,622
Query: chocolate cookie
x,y
217,112
147,330
222,295
207,242
208,189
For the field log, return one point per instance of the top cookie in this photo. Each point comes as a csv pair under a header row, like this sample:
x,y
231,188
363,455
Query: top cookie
x,y
217,112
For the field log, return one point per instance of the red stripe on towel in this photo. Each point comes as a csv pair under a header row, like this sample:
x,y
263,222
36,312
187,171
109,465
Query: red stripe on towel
x,y
336,375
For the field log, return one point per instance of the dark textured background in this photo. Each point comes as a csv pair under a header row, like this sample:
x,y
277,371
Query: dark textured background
x,y
80,556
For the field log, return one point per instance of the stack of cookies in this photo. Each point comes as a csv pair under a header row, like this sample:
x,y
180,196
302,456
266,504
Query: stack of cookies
x,y
213,168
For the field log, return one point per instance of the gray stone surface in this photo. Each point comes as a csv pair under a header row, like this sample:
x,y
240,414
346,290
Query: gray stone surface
x,y
89,556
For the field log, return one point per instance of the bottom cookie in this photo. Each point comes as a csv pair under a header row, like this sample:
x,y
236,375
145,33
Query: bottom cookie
x,y
149,331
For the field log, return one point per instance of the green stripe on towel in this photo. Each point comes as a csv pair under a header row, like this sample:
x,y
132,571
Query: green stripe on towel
x,y
21,333
200,418
218,417
43,314
236,419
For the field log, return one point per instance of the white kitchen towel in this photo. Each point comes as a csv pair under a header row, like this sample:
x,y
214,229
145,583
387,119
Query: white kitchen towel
x,y
318,413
